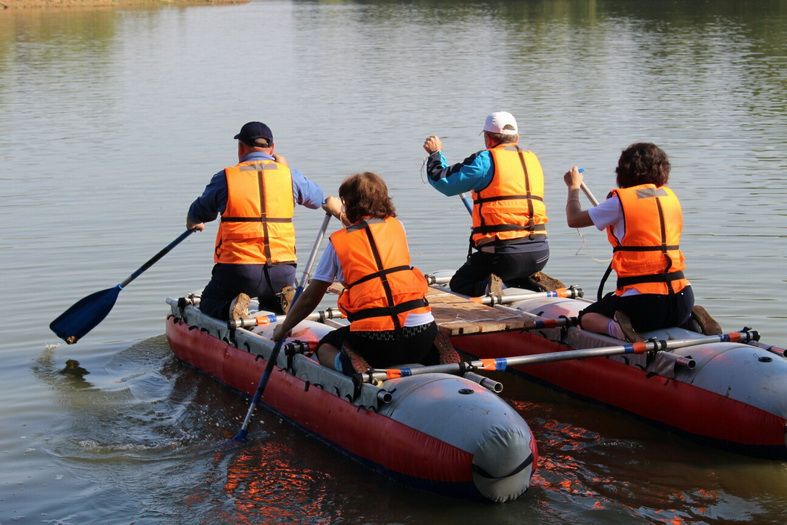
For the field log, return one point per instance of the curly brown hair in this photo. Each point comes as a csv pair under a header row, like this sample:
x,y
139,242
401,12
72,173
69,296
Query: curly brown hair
x,y
642,163
366,195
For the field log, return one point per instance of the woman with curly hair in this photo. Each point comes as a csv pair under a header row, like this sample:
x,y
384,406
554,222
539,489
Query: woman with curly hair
x,y
644,221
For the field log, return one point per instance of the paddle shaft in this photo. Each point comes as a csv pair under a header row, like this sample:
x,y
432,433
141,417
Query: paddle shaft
x,y
589,194
153,260
500,364
467,202
266,374
586,190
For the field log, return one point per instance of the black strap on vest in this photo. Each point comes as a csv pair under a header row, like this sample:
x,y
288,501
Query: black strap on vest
x,y
380,274
656,278
506,198
527,187
600,291
393,310
255,219
659,248
510,227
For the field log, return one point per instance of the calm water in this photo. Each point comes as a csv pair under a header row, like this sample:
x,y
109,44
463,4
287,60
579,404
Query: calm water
x,y
112,121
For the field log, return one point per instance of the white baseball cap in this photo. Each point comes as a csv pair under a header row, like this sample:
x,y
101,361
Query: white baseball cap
x,y
501,122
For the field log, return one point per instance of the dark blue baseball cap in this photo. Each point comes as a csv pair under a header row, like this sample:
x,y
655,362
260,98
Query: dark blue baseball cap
x,y
252,134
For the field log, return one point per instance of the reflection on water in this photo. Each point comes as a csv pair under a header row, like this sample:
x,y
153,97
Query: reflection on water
x,y
112,121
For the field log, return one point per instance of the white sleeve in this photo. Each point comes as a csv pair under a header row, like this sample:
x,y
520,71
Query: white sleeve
x,y
328,269
607,213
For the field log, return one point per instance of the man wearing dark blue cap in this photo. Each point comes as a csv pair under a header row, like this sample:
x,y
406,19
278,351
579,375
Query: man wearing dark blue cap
x,y
254,253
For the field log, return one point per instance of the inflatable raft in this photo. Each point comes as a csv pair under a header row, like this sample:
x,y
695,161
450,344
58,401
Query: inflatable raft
x,y
439,432
731,393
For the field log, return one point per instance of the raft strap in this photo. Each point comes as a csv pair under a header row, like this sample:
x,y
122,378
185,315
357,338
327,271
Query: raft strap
x,y
522,466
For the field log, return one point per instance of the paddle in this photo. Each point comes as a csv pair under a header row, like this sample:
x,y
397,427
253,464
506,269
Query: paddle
x,y
86,313
501,363
266,374
586,190
467,202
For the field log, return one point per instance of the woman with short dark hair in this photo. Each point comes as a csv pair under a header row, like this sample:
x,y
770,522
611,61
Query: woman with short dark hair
x,y
384,297
644,221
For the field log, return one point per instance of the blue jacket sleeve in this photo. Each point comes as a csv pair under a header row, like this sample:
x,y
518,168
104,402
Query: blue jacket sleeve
x,y
473,173
212,201
306,192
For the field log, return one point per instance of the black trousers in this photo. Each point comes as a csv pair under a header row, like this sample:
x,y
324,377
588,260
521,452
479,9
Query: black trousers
x,y
388,348
256,280
514,269
647,311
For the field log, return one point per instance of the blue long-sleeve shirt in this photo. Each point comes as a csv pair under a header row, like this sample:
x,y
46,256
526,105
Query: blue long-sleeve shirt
x,y
473,173
213,200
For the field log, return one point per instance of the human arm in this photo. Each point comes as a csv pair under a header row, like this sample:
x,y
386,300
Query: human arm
x,y
303,306
306,192
334,206
207,206
576,217
473,173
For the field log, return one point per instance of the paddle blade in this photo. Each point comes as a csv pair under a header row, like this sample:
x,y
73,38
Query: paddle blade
x,y
84,315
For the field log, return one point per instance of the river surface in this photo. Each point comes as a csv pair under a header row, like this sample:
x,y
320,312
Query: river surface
x,y
112,122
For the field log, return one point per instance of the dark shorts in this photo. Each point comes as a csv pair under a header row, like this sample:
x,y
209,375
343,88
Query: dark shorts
x,y
389,348
647,311
514,268
256,280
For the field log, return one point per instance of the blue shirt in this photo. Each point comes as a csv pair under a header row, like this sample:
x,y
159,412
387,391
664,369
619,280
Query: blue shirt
x,y
214,199
473,173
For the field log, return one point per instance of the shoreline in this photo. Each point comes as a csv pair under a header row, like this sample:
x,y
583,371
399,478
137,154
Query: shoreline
x,y
67,4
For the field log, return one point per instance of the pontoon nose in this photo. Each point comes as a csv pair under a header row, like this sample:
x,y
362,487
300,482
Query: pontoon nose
x,y
503,448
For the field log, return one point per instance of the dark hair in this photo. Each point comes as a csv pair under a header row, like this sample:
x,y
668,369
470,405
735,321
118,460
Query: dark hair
x,y
366,195
642,163
500,138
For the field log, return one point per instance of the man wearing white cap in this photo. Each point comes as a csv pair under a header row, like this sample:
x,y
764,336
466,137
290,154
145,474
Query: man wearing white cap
x,y
509,214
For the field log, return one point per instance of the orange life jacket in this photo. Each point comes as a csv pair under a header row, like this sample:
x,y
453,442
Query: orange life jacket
x,y
511,206
256,226
648,257
381,288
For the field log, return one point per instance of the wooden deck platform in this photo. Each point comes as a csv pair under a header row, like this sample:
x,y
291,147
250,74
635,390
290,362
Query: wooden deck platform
x,y
458,316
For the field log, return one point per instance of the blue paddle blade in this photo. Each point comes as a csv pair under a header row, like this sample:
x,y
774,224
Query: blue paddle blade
x,y
84,315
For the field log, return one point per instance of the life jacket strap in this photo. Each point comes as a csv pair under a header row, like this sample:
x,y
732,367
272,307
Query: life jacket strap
x,y
256,219
482,200
383,311
656,278
493,228
659,248
380,273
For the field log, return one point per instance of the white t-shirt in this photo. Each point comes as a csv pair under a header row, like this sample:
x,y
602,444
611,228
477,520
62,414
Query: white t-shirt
x,y
607,213
329,269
